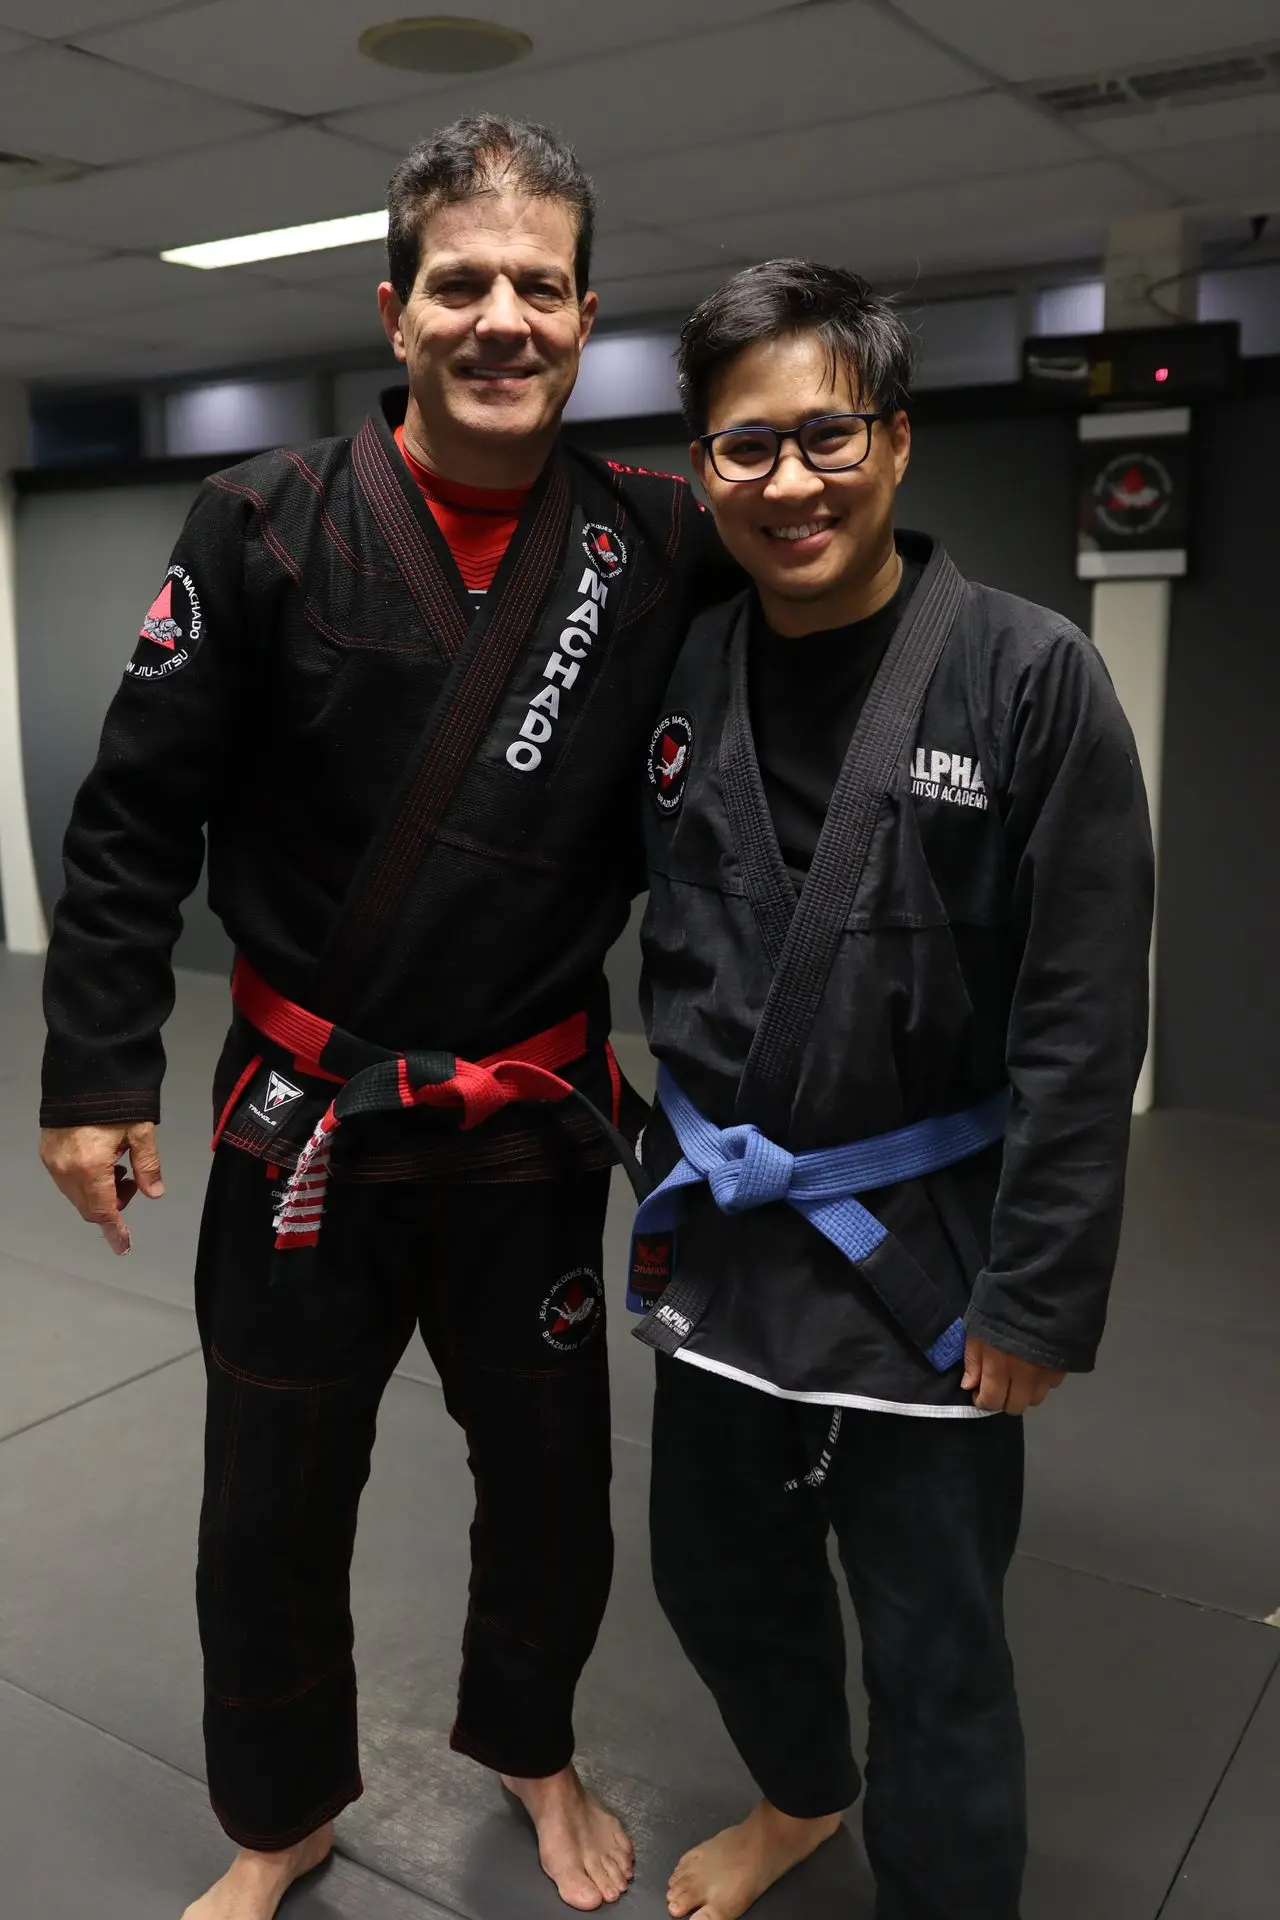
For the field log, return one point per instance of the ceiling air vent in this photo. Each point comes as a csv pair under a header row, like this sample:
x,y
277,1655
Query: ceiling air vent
x,y
1148,89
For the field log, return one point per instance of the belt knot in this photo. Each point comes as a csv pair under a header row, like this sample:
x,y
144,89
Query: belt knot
x,y
753,1172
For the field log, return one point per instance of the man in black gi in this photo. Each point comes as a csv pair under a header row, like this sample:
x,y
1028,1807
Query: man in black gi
x,y
895,954
403,681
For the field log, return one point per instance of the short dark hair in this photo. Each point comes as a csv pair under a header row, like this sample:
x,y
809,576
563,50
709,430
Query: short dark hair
x,y
482,154
862,331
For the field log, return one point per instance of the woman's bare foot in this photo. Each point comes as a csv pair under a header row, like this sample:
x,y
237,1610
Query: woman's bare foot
x,y
258,1882
581,1845
722,1878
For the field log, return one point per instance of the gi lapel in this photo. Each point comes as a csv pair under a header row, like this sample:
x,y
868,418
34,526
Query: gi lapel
x,y
483,662
769,887
407,526
880,739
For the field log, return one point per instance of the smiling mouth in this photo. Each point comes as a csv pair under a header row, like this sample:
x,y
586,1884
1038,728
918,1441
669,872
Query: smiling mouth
x,y
806,530
497,373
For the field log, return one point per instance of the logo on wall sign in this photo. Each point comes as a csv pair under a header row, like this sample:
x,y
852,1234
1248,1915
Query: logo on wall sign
x,y
570,1313
172,630
669,752
1133,494
605,548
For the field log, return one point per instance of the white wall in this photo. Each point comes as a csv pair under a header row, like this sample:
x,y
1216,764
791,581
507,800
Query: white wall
x,y
89,565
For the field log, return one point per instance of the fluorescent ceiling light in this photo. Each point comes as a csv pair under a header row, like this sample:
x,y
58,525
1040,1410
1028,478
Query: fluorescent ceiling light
x,y
356,229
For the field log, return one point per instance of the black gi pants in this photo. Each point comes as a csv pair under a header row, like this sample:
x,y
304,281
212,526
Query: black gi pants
x,y
926,1515
497,1277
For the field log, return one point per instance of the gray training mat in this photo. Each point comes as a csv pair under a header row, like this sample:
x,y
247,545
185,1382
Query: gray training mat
x,y
1233,1869
93,1830
1153,1723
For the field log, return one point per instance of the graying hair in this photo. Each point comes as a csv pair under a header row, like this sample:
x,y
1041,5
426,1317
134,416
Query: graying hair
x,y
479,155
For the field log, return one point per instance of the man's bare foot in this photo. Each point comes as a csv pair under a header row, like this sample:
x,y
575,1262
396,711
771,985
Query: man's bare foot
x,y
722,1878
581,1845
258,1882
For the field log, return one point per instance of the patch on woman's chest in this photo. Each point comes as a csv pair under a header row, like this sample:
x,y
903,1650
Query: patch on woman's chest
x,y
670,748
951,778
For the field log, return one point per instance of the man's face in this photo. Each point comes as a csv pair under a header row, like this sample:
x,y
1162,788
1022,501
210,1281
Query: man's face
x,y
804,537
493,329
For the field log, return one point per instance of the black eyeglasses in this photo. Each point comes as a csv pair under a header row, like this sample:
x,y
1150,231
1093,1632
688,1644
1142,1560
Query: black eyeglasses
x,y
829,443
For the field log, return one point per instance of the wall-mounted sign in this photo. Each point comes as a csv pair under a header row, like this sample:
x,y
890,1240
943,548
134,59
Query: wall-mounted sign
x,y
1133,497
1133,366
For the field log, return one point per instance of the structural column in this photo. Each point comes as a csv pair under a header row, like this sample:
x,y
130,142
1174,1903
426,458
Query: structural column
x,y
1131,618
24,925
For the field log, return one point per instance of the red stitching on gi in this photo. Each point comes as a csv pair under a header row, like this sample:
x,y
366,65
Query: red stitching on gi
x,y
327,521
293,567
412,551
92,1099
232,1442
664,577
277,1842
279,1386
236,1091
299,1692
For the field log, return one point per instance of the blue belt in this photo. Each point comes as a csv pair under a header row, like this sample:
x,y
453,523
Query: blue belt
x,y
744,1169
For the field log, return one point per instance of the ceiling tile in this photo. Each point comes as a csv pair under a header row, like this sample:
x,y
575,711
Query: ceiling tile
x,y
131,283
621,256
1244,173
928,229
792,70
971,136
23,253
305,57
1185,126
364,265
272,180
1030,40
54,100
267,320
59,19
651,294
30,351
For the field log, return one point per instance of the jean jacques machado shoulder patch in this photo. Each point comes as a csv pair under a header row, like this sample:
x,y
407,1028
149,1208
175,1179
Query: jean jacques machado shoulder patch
x,y
605,548
669,752
172,631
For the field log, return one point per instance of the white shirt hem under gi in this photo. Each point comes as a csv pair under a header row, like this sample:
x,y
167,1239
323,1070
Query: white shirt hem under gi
x,y
859,1400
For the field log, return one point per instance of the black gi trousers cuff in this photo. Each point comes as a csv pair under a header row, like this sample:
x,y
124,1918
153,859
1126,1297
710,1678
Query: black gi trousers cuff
x,y
925,1513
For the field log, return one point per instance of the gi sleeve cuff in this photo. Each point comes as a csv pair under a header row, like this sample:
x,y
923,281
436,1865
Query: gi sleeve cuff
x,y
1011,1340
99,1109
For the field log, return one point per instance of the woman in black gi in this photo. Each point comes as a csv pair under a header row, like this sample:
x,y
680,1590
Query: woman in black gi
x,y
896,948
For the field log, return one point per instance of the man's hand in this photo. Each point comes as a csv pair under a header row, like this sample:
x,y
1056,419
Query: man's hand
x,y
84,1162
1001,1384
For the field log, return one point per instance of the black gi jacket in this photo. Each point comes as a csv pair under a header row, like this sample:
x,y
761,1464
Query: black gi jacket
x,y
999,934
420,815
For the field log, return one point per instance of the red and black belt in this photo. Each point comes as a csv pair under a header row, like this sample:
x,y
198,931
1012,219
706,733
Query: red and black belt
x,y
374,1080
